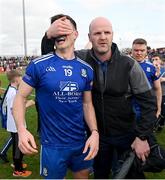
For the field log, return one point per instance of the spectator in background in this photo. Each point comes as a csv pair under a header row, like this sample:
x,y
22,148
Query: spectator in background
x,y
3,118
14,78
139,53
159,63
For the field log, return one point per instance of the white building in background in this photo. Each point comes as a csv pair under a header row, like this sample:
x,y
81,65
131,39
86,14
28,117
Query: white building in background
x,y
88,45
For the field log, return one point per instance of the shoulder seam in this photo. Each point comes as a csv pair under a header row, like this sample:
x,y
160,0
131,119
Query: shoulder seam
x,y
42,59
83,62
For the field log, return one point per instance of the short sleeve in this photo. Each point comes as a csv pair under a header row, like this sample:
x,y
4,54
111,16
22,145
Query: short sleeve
x,y
10,99
138,80
31,75
89,80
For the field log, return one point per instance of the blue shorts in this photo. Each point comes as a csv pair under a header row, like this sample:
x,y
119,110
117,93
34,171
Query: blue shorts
x,y
56,161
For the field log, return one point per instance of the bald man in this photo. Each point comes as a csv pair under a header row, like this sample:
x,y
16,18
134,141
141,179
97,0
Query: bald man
x,y
117,78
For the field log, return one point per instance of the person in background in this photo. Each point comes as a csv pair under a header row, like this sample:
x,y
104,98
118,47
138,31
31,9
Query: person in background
x,y
63,86
139,53
117,78
14,77
3,116
159,63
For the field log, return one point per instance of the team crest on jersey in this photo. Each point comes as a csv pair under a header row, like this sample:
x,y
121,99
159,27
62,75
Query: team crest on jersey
x,y
83,72
148,69
45,171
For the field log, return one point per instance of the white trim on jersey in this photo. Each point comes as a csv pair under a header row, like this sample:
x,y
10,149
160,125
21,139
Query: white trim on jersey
x,y
162,75
42,58
41,159
83,62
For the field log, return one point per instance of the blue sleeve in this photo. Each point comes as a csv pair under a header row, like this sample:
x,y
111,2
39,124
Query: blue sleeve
x,y
31,75
89,81
154,76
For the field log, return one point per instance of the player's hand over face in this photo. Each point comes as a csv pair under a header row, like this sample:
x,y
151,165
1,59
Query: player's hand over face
x,y
141,148
59,27
93,144
26,142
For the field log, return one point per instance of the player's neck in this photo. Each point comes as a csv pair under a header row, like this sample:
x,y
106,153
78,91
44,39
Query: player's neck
x,y
65,54
15,85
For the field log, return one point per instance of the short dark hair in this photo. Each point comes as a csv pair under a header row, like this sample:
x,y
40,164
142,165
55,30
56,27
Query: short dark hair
x,y
11,75
140,41
157,55
58,16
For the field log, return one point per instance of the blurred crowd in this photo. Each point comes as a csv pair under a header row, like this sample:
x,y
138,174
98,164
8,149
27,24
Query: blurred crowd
x,y
10,63
160,51
151,52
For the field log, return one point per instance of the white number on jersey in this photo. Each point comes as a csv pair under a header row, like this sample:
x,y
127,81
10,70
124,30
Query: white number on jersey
x,y
68,72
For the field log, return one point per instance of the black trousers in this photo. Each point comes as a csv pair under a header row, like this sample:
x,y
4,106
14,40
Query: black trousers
x,y
110,152
17,154
162,122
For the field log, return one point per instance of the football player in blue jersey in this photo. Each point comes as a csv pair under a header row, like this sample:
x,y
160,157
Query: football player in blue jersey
x,y
139,53
63,86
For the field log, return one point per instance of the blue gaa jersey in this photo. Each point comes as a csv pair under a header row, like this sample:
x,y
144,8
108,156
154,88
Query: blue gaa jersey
x,y
59,85
150,71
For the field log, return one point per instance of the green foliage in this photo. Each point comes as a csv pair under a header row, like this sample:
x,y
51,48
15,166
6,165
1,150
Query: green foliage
x,y
4,80
33,161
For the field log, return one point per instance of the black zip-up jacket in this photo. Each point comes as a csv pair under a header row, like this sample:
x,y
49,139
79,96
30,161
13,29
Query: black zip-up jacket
x,y
113,90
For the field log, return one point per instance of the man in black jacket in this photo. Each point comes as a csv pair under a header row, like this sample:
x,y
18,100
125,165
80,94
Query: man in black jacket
x,y
116,79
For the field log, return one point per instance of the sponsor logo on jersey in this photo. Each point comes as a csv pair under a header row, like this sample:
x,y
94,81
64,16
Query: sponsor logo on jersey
x,y
68,86
68,92
62,93
67,67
